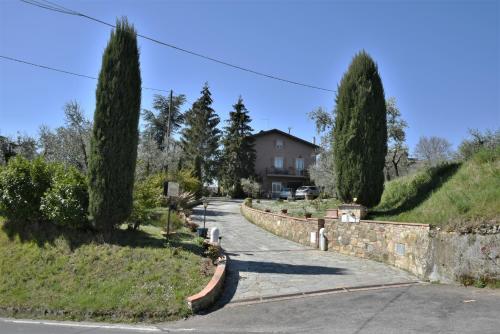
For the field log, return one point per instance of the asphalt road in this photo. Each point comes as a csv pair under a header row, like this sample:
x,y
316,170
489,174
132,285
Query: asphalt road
x,y
411,309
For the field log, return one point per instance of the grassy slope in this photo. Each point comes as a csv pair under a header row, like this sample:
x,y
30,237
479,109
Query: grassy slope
x,y
136,277
454,196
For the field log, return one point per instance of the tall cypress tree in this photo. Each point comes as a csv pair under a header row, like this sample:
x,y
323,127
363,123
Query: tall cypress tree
x,y
115,134
238,157
200,137
360,133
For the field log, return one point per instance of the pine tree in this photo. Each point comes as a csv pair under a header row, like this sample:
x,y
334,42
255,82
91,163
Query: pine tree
x,y
114,139
360,133
200,138
238,157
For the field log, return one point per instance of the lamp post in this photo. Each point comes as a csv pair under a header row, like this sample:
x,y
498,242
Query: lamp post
x,y
205,204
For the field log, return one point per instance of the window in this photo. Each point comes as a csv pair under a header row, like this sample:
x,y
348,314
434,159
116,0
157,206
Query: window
x,y
279,144
299,165
278,162
276,187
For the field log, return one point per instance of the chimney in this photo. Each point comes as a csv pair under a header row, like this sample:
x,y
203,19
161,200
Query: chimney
x,y
289,129
314,140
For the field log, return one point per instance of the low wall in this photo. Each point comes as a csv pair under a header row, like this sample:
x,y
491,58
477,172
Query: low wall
x,y
399,244
206,297
432,255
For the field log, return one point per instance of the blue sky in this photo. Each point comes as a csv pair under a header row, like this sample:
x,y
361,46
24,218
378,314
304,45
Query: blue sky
x,y
440,59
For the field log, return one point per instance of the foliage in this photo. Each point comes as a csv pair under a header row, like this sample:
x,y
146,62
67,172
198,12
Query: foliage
x,y
360,133
478,141
68,144
135,277
200,138
298,208
238,156
66,202
187,180
455,196
148,194
213,252
248,202
433,150
250,187
22,185
23,145
397,153
167,122
115,134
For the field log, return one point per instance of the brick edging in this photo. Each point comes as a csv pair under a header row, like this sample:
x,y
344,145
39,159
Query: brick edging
x,y
212,290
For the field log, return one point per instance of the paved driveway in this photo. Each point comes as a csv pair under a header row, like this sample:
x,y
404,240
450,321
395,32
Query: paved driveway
x,y
265,265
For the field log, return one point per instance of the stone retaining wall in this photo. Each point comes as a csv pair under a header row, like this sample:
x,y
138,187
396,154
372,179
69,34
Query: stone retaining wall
x,y
402,245
432,255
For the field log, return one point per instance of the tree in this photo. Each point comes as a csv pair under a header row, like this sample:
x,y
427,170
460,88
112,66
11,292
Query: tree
x,y
200,138
322,172
433,150
167,122
488,139
238,156
115,133
68,144
397,154
360,133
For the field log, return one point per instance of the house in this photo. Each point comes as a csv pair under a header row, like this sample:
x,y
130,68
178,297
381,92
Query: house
x,y
282,161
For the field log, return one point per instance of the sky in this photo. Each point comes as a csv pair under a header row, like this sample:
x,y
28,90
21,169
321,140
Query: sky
x,y
439,59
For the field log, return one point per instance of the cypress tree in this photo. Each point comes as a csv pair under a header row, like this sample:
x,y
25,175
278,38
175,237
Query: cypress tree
x,y
360,133
200,138
238,157
115,134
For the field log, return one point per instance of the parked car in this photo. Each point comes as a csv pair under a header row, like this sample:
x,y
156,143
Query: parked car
x,y
286,193
307,190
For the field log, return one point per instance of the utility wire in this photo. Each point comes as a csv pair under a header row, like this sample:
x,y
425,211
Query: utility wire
x,y
60,9
67,72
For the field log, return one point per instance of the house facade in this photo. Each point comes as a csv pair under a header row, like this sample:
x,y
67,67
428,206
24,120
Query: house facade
x,y
282,161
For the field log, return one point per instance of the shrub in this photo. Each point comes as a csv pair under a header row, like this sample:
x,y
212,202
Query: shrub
x,y
66,202
187,180
248,202
22,185
213,253
148,194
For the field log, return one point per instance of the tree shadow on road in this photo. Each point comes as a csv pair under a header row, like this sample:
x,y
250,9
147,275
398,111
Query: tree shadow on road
x,y
283,268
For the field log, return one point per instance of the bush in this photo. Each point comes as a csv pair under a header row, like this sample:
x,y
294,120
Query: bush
x,y
66,202
22,185
213,253
148,194
248,202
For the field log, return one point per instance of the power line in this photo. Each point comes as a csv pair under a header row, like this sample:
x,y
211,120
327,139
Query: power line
x,y
60,9
66,72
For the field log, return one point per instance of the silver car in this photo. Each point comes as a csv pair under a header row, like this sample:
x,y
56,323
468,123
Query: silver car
x,y
307,190
286,193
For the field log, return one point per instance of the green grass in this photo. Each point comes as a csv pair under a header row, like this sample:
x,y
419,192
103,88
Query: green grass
x,y
129,276
453,196
298,208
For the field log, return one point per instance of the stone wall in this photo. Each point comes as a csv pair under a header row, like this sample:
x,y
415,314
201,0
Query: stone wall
x,y
291,228
456,256
402,245
429,254
399,244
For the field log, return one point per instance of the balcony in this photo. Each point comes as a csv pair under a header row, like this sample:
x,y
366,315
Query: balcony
x,y
287,172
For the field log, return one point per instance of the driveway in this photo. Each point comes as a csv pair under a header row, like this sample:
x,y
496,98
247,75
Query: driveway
x,y
263,265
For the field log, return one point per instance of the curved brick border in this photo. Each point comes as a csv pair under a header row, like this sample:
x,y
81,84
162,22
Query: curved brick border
x,y
209,294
